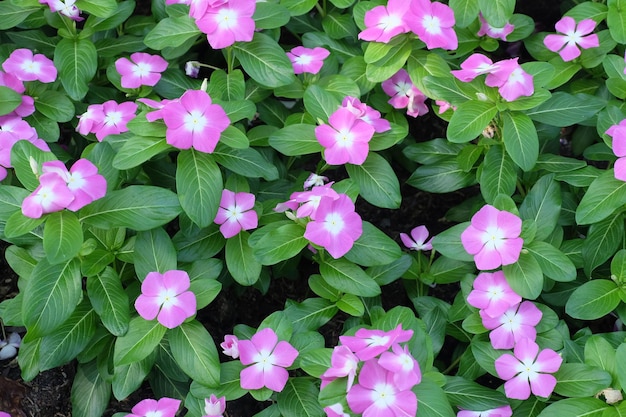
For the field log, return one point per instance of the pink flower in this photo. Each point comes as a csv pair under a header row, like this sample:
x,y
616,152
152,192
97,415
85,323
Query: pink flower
x,y
158,105
404,94
82,180
268,359
194,121
307,60
335,410
528,370
493,238
444,106
336,225
618,133
3,414
51,195
66,8
366,113
376,394
116,116
165,407
417,241
214,407
89,119
309,200
512,81
27,107
492,294
140,69
236,213
433,23
405,369
473,66
384,22
345,139
493,32
228,22
367,344
28,67
343,363
165,297
574,36
514,324
13,129
230,346
504,411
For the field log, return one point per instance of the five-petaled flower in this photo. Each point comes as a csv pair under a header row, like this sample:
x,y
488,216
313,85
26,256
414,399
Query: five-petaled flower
x,y
140,69
575,36
27,66
510,327
165,407
417,240
309,60
492,294
226,22
214,407
404,94
236,213
433,23
82,179
345,138
384,22
65,7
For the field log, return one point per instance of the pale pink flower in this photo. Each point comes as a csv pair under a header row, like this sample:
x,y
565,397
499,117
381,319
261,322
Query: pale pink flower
x,y
140,69
228,23
51,195
236,213
493,238
504,411
194,121
512,81
384,22
66,8
315,180
28,67
417,241
514,324
494,32
528,370
268,358
336,225
367,344
405,369
376,394
335,410
366,113
618,133
307,60
83,181
567,45
404,94
444,106
166,297
165,407
344,363
230,346
492,294
475,65
309,200
116,116
89,119
345,138
433,23
3,414
214,407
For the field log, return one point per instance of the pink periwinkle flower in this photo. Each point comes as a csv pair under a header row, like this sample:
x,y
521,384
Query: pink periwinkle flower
x,y
307,60
384,22
512,81
618,133
492,294
444,106
433,23
377,394
314,180
214,407
89,119
475,65
83,181
345,138
405,369
67,8
567,45
336,225
51,195
366,113
367,344
13,129
109,119
493,238
335,410
165,407
140,69
404,94
309,200
268,359
158,105
514,324
194,121
166,297
230,346
528,370
27,107
27,66
504,411
417,240
3,414
344,363
228,22
493,32
236,213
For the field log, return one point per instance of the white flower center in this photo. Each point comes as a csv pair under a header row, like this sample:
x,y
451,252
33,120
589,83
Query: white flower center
x,y
383,395
31,67
142,69
334,223
511,321
195,121
304,59
167,298
227,18
264,360
76,181
493,238
432,24
113,118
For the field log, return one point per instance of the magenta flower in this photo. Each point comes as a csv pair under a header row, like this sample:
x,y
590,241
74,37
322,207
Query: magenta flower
x,y
309,201
512,81
343,363
433,23
228,22
66,8
165,407
83,181
336,225
405,369
493,32
492,294
158,105
140,69
574,36
230,346
444,106
335,410
236,213
307,60
367,344
618,133
89,119
473,66
51,195
493,238
417,241
214,407
376,394
165,297
28,67
366,113
345,139
27,107
3,414
384,22
114,120
514,324
13,129
268,359
404,94
194,121
504,411
528,370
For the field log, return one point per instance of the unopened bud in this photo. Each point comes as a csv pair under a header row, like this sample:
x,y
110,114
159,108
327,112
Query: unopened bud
x,y
192,69
34,165
482,97
205,85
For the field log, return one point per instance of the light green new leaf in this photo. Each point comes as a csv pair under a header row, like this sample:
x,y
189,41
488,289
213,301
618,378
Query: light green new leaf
x,y
9,100
62,236
469,120
154,252
109,300
525,276
90,392
465,11
593,299
76,61
295,140
195,352
580,380
240,260
280,244
142,338
199,186
377,181
520,139
172,32
498,174
299,399
265,61
605,195
348,277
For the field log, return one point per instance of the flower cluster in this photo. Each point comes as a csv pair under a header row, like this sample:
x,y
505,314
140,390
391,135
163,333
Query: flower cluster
x,y
108,118
574,36
618,133
404,94
140,69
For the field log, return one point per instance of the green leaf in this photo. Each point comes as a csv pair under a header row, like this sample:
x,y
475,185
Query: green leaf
x,y
498,174
17,225
448,243
199,186
230,87
620,364
247,162
563,109
172,32
13,15
270,15
11,198
348,277
140,341
240,260
542,204
351,304
9,100
469,120
497,12
465,11
575,407
198,243
109,300
294,140
593,299
128,378
319,102
554,263
525,276
62,236
377,181
373,248
22,153
195,352
432,400
55,106
603,239
310,314
265,61
106,14
601,354
280,244
99,8
90,392
139,149
580,380
77,61
441,177
299,398
604,196
154,252
616,20
520,139
447,88
469,395
174,83
315,361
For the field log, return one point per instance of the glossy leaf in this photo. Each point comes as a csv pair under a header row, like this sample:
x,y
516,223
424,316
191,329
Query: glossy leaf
x,y
172,32
280,244
240,261
604,196
110,301
265,61
520,139
593,299
525,276
294,140
348,277
498,174
299,398
62,236
199,186
580,380
469,120
377,181
373,248
142,338
195,352
77,62
90,392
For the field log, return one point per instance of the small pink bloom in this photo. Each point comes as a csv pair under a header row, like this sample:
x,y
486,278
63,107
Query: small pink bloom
x,y
345,139
194,121
214,407
417,241
158,105
236,213
366,113
13,129
528,370
268,358
492,294
9,80
228,23
28,67
514,324
116,116
307,60
66,8
384,22
51,195
82,180
230,346
404,94
574,36
405,369
493,32
618,133
367,344
444,106
315,180
3,414
336,225
140,69
493,238
165,297
165,407
433,23
512,81
343,363
504,411
89,119
310,200
473,66
335,410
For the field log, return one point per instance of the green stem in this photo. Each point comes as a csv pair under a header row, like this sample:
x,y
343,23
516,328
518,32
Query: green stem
x,y
320,9
229,59
452,366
